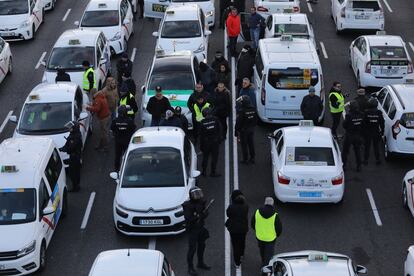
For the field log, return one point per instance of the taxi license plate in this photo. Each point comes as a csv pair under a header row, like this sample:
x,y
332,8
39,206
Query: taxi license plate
x,y
151,222
158,8
361,17
310,194
389,71
7,34
292,112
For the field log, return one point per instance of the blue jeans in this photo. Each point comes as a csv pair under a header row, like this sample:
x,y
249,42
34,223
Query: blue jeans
x,y
254,36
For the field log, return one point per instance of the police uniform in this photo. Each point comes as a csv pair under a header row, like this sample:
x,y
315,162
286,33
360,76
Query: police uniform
x,y
210,138
353,125
73,147
373,130
245,125
128,99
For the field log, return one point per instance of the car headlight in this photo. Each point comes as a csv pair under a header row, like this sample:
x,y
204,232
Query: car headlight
x,y
200,48
25,24
210,13
117,36
27,250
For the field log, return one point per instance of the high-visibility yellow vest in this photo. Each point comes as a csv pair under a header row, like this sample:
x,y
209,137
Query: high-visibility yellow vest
x,y
123,101
265,228
199,113
341,101
86,80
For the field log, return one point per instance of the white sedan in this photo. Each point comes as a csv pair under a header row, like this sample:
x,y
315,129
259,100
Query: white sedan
x,y
306,165
6,63
408,191
157,173
266,7
379,60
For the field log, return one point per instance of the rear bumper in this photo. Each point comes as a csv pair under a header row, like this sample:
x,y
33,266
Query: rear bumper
x,y
345,24
368,80
285,193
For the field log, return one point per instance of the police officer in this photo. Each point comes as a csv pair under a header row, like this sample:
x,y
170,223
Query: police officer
x,y
89,80
210,139
361,99
122,127
373,130
62,75
195,213
128,99
73,147
353,125
244,129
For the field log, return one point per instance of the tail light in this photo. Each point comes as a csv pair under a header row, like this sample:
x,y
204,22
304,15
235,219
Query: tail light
x,y
283,179
263,91
368,67
343,12
296,9
338,180
262,9
410,67
396,129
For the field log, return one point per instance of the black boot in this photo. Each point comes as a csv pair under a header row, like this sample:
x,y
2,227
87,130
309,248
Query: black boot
x,y
202,265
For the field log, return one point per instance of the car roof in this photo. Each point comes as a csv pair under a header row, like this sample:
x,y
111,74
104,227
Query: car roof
x,y
297,51
159,137
26,153
78,38
384,40
128,262
302,136
172,63
52,93
405,93
98,5
181,12
296,18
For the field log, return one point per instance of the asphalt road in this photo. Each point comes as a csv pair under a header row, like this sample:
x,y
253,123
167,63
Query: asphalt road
x,y
349,228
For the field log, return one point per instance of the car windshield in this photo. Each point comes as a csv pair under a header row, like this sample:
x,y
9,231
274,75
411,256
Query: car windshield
x,y
385,52
297,30
153,167
17,206
309,156
172,80
45,118
71,58
100,19
10,7
293,78
181,29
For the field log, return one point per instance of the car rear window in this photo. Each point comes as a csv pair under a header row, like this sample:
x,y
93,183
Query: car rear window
x,y
365,5
293,29
293,78
309,156
386,52
407,120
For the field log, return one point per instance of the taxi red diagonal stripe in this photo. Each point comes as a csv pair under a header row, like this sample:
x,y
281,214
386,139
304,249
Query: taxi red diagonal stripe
x,y
103,72
82,125
38,20
48,222
2,70
126,28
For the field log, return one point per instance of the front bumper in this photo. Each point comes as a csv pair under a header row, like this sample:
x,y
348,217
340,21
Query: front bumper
x,y
21,266
13,34
117,46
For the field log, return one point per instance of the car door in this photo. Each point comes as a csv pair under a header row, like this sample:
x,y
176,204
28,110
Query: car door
x,y
269,29
356,53
102,59
78,108
276,144
126,18
244,28
155,8
388,122
44,201
36,9
3,60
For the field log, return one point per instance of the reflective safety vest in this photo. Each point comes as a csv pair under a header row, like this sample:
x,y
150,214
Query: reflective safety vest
x,y
265,228
199,113
124,100
86,80
341,102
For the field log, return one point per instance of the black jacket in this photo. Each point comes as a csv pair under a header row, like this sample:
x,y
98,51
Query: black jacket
x,y
210,131
219,61
246,120
62,77
173,121
73,146
311,107
224,77
267,211
221,103
354,123
374,122
362,101
123,128
193,99
194,213
245,64
131,102
131,86
123,67
184,122
157,107
237,213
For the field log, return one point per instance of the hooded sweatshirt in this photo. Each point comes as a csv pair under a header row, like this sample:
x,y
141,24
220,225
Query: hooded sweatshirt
x,y
237,213
267,211
233,25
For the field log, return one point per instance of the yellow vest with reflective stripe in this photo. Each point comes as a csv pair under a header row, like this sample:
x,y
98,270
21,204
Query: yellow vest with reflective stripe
x,y
86,81
265,228
199,113
341,102
124,102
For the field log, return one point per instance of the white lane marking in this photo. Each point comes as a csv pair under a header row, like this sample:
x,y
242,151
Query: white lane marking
x,y
411,46
374,207
88,210
325,54
134,52
6,120
225,43
309,7
235,156
66,15
42,57
388,5
152,242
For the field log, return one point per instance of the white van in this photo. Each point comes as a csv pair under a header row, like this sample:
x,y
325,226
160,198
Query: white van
x,y
285,68
33,196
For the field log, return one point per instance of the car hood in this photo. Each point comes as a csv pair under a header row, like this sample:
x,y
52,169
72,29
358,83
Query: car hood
x,y
12,21
109,32
180,44
142,199
16,236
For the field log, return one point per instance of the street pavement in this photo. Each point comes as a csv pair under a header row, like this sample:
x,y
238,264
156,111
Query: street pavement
x,y
349,228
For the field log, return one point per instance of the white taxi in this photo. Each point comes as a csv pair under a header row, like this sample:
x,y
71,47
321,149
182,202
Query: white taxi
x,y
158,170
183,28
6,59
267,7
20,19
357,14
33,197
306,165
49,4
311,263
72,48
378,60
408,192
114,18
409,262
176,73
130,262
49,107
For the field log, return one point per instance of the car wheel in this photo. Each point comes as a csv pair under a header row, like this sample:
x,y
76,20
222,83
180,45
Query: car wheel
x,y
10,66
42,257
64,204
404,196
43,16
33,32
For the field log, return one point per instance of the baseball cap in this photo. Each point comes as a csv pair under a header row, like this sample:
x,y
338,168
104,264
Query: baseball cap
x,y
158,88
311,89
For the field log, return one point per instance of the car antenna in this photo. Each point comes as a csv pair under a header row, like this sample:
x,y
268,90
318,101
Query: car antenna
x,y
310,133
128,253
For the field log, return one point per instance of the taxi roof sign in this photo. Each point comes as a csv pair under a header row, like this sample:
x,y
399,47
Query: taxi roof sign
x,y
9,169
306,123
318,257
380,33
34,97
170,12
102,5
74,42
286,38
138,139
288,10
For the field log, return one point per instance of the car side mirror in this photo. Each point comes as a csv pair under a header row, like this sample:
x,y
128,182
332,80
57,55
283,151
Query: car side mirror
x,y
361,269
126,21
155,34
114,176
207,32
83,116
195,174
143,89
48,210
43,63
76,23
267,269
13,119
